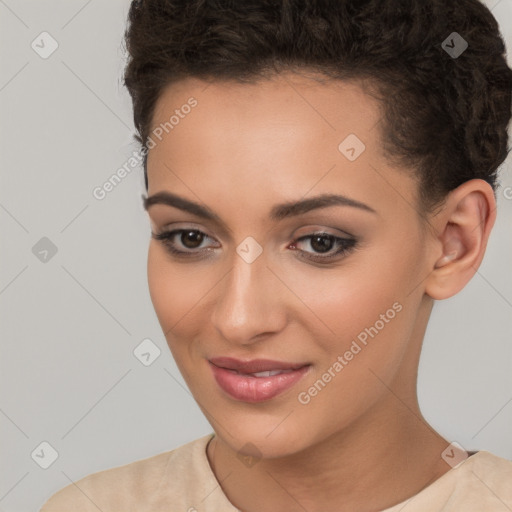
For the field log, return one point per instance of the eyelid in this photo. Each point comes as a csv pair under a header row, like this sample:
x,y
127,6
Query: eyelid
x,y
159,219
184,226
317,229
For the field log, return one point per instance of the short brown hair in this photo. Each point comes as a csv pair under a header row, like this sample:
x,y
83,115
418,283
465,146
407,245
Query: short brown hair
x,y
443,116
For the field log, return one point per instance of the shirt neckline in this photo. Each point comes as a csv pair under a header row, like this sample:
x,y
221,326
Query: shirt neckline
x,y
394,508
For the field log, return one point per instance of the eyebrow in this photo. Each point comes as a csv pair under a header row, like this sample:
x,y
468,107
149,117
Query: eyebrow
x,y
278,212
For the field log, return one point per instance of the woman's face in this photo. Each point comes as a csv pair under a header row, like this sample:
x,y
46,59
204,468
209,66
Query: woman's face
x,y
333,287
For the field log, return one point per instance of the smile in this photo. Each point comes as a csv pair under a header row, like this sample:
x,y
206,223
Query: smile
x,y
251,382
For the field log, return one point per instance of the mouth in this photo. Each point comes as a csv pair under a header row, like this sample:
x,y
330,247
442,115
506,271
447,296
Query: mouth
x,y
255,366
257,380
269,373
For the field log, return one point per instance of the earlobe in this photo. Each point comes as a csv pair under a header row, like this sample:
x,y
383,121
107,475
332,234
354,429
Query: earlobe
x,y
464,227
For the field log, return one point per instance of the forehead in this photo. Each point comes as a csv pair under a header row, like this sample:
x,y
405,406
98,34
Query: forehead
x,y
268,108
272,140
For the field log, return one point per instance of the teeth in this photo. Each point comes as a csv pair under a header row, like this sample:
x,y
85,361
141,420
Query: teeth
x,y
268,373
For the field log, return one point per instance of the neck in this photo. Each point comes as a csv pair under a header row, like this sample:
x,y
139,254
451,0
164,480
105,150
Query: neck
x,y
372,465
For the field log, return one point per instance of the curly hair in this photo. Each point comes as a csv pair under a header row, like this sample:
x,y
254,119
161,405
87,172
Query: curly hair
x,y
444,117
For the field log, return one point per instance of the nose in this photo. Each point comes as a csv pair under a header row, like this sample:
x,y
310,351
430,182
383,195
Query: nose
x,y
250,304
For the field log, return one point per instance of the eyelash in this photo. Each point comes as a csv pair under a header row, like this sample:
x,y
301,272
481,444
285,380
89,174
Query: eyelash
x,y
346,244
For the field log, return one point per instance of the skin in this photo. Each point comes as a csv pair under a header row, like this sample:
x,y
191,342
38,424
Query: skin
x,y
361,443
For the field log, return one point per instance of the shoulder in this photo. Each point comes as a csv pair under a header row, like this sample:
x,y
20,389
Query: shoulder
x,y
491,475
481,482
131,486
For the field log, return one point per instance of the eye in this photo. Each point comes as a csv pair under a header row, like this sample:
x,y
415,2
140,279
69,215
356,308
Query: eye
x,y
325,246
189,241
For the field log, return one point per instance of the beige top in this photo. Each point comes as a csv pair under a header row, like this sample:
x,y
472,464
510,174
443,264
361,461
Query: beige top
x,y
182,480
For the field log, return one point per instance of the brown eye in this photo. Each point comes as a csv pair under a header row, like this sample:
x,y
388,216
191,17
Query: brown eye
x,y
322,243
323,247
186,243
192,239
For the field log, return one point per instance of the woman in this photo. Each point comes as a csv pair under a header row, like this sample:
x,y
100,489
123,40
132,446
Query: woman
x,y
317,174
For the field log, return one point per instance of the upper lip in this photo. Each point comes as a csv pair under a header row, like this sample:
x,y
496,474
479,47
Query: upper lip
x,y
254,365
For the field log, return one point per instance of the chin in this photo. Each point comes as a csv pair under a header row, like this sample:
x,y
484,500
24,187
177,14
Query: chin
x,y
264,437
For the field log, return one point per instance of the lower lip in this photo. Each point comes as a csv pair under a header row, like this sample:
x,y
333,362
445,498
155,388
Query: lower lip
x,y
256,389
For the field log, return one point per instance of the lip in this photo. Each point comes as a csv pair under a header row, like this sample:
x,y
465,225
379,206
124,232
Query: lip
x,y
253,389
254,365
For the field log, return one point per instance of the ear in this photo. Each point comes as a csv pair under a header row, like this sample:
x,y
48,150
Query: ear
x,y
463,227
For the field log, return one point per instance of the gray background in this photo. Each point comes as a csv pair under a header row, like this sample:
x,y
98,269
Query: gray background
x,y
69,325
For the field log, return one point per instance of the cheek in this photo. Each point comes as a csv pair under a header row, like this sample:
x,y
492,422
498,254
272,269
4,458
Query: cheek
x,y
369,307
174,289
181,294
363,314
339,303
355,366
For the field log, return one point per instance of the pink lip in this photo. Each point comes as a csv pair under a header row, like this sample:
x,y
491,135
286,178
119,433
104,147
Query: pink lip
x,y
255,389
254,365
